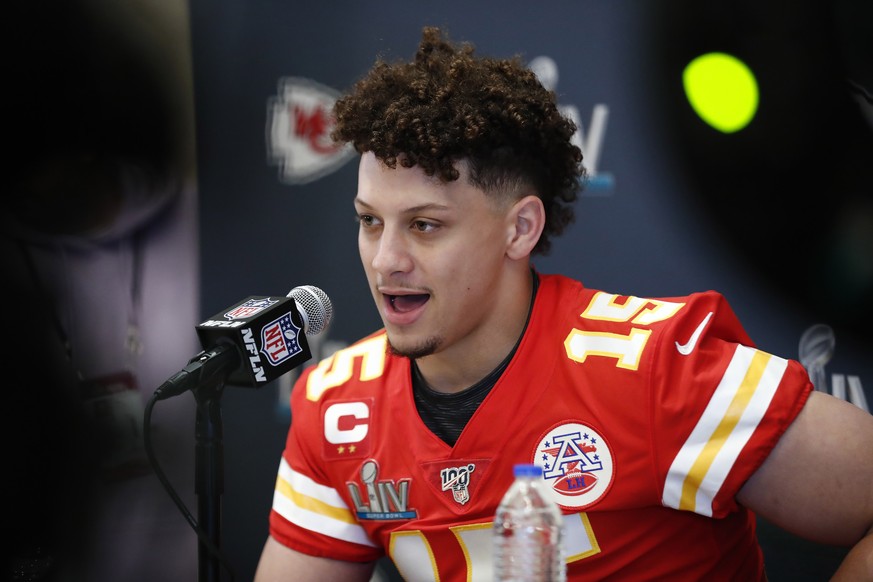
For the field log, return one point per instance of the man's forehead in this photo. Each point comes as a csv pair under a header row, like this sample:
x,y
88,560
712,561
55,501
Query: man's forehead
x,y
377,180
462,165
373,169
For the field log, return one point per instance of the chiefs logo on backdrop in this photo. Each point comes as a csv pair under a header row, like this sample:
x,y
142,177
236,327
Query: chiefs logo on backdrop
x,y
299,122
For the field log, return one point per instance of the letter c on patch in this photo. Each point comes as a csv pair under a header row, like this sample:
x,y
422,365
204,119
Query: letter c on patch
x,y
346,422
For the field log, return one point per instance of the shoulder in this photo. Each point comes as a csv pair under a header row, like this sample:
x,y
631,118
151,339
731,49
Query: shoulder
x,y
670,318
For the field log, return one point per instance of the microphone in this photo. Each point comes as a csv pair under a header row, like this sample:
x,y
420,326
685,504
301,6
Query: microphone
x,y
254,341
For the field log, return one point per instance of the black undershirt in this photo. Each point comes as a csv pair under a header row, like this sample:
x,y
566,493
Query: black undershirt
x,y
446,415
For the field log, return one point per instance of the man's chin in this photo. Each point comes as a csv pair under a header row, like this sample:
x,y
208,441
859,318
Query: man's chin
x,y
413,349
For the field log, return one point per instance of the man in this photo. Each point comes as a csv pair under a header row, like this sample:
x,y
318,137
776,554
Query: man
x,y
662,431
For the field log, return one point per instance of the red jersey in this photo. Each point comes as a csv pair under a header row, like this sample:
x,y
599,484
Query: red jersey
x,y
647,416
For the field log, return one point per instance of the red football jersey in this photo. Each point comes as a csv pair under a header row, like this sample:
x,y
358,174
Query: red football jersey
x,y
647,416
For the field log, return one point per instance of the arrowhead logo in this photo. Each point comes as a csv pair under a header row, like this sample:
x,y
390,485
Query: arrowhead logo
x,y
298,131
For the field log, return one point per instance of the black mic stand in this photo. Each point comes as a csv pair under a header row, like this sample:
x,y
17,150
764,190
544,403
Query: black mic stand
x,y
209,475
205,376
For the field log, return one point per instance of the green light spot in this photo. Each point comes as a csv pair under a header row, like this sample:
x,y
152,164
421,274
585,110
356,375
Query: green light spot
x,y
722,90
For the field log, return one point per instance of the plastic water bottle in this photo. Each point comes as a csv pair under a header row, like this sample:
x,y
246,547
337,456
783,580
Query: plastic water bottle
x,y
528,531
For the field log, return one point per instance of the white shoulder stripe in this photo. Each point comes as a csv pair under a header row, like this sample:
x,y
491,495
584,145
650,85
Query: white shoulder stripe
x,y
728,422
306,486
315,507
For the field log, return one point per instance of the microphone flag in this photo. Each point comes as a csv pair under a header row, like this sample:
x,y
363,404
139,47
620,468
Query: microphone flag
x,y
268,332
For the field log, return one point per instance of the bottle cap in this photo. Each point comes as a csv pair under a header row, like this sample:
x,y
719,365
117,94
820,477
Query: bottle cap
x,y
527,470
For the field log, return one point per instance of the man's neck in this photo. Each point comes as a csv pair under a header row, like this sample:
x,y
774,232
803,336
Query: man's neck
x,y
465,363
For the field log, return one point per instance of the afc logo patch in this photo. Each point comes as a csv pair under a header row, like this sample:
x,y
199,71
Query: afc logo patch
x,y
577,464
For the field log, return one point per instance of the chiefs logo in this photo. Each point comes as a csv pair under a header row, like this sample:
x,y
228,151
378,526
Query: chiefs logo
x,y
576,462
299,126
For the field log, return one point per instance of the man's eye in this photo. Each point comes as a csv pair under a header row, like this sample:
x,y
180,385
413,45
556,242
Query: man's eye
x,y
365,219
422,226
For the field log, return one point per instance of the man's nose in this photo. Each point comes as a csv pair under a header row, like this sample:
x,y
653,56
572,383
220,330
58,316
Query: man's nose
x,y
393,254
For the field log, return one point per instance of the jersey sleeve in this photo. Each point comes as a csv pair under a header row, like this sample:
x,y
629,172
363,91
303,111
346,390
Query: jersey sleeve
x,y
309,514
719,405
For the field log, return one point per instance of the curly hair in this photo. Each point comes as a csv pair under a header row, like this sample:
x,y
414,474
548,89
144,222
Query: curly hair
x,y
448,105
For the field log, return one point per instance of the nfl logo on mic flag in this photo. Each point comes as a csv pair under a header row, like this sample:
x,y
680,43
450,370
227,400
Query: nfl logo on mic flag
x,y
280,340
268,331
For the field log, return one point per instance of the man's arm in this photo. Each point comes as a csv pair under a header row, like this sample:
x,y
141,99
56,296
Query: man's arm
x,y
280,563
818,481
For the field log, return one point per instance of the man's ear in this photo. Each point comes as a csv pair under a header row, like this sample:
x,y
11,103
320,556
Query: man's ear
x,y
527,220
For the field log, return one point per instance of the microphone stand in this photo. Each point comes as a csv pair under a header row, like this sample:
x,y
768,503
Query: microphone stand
x,y
209,475
205,376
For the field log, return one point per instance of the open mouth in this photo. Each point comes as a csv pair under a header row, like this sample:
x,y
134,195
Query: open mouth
x,y
406,303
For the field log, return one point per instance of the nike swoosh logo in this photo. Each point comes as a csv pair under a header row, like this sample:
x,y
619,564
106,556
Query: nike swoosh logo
x,y
688,346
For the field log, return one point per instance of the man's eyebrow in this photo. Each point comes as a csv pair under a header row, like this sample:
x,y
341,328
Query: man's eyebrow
x,y
431,206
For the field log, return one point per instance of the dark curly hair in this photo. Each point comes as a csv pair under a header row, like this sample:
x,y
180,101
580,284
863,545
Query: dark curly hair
x,y
447,105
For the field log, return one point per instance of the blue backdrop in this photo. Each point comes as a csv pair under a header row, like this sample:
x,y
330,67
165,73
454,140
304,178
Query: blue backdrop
x,y
778,217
